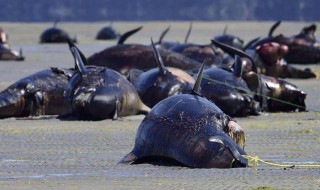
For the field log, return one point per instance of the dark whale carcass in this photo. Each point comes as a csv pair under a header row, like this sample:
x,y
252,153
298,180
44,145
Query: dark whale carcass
x,y
278,95
190,130
198,52
107,33
159,83
303,48
231,40
6,53
124,57
55,35
273,94
268,59
38,94
97,93
226,88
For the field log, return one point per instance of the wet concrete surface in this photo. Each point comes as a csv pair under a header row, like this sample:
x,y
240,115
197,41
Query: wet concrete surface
x,y
46,153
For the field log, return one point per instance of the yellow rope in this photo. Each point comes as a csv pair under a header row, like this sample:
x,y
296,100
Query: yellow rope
x,y
254,160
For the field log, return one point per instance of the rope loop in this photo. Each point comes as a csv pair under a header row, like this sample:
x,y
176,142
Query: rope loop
x,y
254,160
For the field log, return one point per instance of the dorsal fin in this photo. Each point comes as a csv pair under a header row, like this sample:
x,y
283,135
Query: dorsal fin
x,y
237,66
56,22
225,30
196,87
163,34
159,60
248,45
273,27
79,58
234,51
83,58
127,34
188,33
